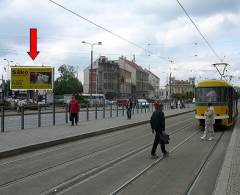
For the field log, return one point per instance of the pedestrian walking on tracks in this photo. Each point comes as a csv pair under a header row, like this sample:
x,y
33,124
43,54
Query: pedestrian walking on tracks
x,y
209,122
73,108
158,125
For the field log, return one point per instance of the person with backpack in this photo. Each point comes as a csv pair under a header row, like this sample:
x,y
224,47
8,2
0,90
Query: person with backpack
x,y
158,125
73,108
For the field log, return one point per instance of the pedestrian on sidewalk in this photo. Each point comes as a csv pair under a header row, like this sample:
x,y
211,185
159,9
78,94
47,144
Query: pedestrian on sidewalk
x,y
129,108
73,108
179,104
158,125
209,122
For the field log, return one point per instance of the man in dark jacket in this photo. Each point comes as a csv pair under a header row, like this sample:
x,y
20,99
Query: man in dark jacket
x,y
73,110
158,125
129,108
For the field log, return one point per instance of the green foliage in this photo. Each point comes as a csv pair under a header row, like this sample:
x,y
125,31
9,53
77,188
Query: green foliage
x,y
67,83
6,87
83,102
179,96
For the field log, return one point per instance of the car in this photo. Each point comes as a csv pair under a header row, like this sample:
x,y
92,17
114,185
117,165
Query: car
x,y
109,102
142,103
122,102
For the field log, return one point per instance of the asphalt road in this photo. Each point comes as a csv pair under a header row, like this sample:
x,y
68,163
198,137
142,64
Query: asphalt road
x,y
101,164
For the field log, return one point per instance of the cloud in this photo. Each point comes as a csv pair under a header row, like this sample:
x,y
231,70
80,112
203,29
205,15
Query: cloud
x,y
158,22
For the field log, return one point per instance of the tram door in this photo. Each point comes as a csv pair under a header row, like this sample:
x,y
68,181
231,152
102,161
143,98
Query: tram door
x,y
230,105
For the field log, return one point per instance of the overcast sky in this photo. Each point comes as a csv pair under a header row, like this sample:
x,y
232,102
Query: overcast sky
x,y
159,26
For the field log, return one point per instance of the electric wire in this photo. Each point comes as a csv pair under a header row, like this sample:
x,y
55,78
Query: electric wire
x,y
201,34
99,26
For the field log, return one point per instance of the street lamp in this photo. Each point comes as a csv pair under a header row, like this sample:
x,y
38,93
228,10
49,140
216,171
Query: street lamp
x,y
8,61
91,44
170,79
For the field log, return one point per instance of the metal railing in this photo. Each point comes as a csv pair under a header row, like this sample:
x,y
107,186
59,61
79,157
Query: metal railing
x,y
42,115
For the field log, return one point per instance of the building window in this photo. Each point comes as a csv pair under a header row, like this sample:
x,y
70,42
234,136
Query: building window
x,y
105,85
105,76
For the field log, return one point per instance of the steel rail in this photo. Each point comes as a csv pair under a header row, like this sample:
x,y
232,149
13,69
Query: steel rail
x,y
79,179
203,165
59,148
151,165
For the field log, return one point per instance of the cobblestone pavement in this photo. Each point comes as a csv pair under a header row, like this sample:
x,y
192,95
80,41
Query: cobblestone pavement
x,y
234,176
228,182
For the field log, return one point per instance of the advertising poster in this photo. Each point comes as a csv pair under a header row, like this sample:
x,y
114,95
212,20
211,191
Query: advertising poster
x,y
31,78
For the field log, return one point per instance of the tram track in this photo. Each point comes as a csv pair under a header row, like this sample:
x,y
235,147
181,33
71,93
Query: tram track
x,y
87,174
70,145
94,173
125,185
202,166
192,182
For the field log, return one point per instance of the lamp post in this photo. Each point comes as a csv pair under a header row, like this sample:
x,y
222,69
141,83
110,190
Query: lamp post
x,y
3,81
91,44
170,80
8,62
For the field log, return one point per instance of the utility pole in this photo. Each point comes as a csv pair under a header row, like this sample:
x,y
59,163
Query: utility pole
x,y
170,85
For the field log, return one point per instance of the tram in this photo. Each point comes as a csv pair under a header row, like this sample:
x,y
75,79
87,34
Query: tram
x,y
223,98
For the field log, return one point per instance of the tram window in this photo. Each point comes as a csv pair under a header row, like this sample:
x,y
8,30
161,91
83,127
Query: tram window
x,y
211,94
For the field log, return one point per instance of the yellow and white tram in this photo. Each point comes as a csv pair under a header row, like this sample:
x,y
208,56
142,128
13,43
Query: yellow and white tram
x,y
223,98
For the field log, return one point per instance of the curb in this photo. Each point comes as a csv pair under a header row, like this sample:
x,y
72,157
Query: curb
x,y
221,185
47,144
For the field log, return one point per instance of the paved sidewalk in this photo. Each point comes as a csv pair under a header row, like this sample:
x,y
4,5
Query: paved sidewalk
x,y
228,182
12,143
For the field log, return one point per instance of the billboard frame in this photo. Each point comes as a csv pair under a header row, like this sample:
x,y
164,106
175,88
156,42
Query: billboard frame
x,y
32,67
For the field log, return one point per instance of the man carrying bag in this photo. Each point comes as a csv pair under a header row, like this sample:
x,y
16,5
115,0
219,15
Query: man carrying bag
x,y
158,125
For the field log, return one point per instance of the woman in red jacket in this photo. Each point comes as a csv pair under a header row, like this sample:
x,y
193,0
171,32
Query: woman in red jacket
x,y
73,108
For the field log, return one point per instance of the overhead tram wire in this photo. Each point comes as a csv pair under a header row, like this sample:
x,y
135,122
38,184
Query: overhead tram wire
x,y
204,38
99,26
105,29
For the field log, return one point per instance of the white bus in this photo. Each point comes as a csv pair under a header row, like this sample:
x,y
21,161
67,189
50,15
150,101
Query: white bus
x,y
95,99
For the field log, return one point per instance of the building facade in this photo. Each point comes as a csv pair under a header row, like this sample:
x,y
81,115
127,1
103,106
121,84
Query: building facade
x,y
163,94
180,87
154,82
120,78
108,78
139,77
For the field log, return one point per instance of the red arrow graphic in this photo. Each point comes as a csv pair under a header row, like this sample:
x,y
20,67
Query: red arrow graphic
x,y
33,44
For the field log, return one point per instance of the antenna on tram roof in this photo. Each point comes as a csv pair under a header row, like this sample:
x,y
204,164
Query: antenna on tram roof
x,y
217,65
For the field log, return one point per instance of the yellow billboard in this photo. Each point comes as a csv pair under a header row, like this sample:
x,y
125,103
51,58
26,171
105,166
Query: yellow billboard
x,y
30,78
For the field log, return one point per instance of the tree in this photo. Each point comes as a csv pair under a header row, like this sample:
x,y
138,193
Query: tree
x,y
67,83
6,87
177,96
